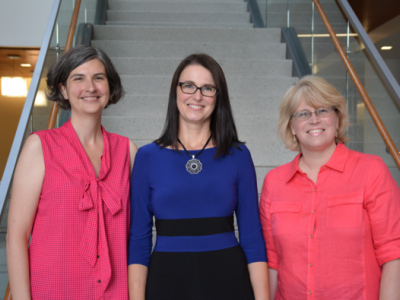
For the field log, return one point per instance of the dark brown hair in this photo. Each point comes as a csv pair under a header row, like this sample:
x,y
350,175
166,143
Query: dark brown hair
x,y
75,57
222,125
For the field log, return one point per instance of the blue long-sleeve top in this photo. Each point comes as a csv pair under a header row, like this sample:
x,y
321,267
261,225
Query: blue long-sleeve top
x,y
162,187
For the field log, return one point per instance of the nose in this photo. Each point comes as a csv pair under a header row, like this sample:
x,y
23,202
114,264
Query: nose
x,y
314,118
90,86
197,95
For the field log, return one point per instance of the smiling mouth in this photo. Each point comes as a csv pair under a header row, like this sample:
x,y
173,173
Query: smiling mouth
x,y
315,130
195,106
90,98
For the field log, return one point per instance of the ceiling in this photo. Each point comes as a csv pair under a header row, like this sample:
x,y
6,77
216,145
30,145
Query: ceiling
x,y
12,67
374,13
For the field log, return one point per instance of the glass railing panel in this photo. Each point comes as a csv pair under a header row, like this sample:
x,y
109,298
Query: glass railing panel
x,y
42,107
325,61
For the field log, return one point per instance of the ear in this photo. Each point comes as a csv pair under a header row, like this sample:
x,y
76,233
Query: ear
x,y
63,91
292,128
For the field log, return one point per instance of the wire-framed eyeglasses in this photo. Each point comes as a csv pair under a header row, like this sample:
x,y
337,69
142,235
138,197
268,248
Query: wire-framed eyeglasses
x,y
205,90
320,112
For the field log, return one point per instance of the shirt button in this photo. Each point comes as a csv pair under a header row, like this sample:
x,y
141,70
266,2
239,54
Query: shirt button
x,y
313,211
315,190
310,292
311,236
310,265
99,281
98,256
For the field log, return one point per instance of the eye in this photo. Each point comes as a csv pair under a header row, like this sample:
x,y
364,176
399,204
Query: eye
x,y
78,79
99,78
188,86
322,111
208,89
303,114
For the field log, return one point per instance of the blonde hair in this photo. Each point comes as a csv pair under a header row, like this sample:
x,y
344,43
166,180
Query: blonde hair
x,y
316,92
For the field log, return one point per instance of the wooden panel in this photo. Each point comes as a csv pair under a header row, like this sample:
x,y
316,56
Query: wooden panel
x,y
12,67
374,13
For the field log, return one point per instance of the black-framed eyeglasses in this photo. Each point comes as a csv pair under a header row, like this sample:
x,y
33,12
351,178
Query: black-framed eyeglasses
x,y
320,112
205,90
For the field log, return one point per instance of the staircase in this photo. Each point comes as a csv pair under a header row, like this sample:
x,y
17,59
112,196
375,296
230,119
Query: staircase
x,y
147,40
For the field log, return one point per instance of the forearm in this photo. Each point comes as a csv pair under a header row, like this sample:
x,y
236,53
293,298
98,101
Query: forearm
x,y
390,281
259,280
137,275
273,282
18,267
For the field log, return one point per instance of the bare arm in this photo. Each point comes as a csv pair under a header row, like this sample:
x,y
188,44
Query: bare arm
x,y
273,282
137,275
132,149
259,280
390,281
27,186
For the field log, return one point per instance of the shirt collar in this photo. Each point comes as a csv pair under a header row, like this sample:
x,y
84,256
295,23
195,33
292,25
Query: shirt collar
x,y
339,158
336,162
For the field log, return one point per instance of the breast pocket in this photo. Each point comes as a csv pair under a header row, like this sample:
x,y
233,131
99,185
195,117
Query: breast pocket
x,y
284,216
345,210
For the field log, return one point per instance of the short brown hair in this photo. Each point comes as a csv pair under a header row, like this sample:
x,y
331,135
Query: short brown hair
x,y
72,59
315,91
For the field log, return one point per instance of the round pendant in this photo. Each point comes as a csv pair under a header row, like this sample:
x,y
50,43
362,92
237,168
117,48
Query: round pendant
x,y
194,166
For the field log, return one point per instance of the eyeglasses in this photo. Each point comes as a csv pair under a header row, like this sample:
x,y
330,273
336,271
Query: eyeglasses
x,y
190,88
320,112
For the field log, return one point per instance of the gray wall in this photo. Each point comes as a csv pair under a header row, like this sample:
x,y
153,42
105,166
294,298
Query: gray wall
x,y
23,22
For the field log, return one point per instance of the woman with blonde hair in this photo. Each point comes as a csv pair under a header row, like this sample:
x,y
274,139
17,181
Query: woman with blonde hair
x,y
331,217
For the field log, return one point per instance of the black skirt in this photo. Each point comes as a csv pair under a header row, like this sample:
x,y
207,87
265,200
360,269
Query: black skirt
x,y
209,275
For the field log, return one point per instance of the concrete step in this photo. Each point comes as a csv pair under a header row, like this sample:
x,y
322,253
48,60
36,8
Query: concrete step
x,y
231,67
222,35
180,50
178,7
238,85
209,2
218,18
259,133
186,25
156,106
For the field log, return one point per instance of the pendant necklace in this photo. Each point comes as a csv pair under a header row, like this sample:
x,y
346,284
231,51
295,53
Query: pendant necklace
x,y
194,166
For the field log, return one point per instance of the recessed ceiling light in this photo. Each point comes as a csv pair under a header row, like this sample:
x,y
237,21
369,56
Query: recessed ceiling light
x,y
26,65
386,47
13,56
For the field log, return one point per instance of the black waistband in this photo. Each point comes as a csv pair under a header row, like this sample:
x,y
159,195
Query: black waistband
x,y
194,227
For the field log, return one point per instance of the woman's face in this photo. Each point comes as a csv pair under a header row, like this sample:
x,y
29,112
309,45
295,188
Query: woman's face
x,y
87,88
316,133
195,108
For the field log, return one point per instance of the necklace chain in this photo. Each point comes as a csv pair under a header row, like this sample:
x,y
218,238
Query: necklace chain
x,y
194,166
194,156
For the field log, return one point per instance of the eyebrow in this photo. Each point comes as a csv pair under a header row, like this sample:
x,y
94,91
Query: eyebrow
x,y
207,84
97,74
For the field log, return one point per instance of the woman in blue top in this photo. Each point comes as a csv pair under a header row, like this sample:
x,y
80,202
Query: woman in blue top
x,y
193,179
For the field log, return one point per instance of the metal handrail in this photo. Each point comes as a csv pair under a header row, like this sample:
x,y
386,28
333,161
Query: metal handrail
x,y
27,109
26,112
255,14
367,101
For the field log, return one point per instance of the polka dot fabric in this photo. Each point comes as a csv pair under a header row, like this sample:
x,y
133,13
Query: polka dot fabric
x,y
79,237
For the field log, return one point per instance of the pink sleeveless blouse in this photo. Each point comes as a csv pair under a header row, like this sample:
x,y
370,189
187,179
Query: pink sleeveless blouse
x,y
79,239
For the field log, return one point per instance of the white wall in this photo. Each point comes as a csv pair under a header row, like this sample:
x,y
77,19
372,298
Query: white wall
x,y
23,22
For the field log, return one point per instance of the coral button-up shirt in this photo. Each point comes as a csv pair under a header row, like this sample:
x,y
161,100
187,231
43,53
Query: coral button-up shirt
x,y
329,240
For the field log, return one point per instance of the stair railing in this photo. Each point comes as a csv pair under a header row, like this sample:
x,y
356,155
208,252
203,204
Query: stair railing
x,y
17,144
357,82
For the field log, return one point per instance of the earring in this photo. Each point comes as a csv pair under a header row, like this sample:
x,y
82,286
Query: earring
x,y
294,139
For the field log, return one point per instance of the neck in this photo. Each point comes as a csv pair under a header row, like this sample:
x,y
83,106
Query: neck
x,y
314,160
88,128
194,136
